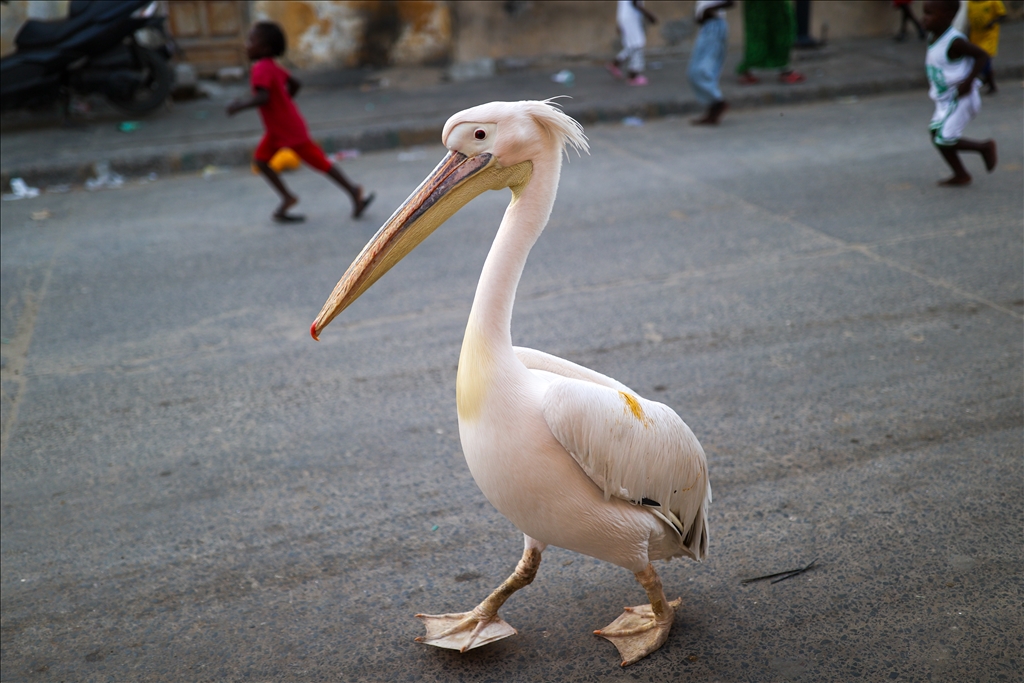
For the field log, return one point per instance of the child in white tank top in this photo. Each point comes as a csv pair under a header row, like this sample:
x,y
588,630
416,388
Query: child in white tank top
x,y
953,64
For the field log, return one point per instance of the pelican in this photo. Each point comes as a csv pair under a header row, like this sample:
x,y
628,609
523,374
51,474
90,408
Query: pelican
x,y
573,458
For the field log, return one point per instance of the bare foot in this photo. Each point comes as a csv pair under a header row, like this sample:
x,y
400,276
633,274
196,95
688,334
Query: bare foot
x,y
282,215
988,153
362,201
955,181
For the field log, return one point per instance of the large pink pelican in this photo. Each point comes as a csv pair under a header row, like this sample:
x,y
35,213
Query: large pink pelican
x,y
573,458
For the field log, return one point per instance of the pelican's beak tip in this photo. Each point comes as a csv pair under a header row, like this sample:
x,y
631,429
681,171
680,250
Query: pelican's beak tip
x,y
312,332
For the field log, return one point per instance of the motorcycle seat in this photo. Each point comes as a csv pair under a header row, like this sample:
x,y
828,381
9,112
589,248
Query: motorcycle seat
x,y
35,34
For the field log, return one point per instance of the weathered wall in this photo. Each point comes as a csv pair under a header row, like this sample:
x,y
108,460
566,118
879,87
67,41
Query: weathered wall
x,y
357,32
347,33
554,28
14,14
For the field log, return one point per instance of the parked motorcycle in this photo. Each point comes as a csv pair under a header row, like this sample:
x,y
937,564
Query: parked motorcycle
x,y
119,49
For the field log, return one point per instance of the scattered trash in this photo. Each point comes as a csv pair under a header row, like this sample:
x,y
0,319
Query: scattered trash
x,y
634,121
20,190
58,189
212,170
782,575
129,126
342,154
105,178
851,99
41,215
565,77
148,179
414,154
434,528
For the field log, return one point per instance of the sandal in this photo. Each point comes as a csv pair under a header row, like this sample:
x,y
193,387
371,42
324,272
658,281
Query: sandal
x,y
362,203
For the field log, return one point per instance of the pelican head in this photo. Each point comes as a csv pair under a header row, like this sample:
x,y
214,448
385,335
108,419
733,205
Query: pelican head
x,y
490,147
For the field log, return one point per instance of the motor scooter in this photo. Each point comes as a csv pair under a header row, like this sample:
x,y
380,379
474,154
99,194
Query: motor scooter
x,y
118,49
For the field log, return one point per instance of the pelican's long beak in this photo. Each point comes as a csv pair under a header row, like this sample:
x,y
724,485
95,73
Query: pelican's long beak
x,y
450,186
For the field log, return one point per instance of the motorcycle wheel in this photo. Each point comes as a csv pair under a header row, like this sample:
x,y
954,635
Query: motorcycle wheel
x,y
157,81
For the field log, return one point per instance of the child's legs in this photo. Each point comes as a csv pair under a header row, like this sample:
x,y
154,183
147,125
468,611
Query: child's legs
x,y
261,157
987,76
949,154
633,42
311,153
632,59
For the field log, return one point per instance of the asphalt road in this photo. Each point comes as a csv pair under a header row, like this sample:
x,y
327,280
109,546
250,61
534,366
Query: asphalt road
x,y
193,490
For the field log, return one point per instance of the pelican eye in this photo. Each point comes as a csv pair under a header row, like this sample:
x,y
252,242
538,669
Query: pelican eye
x,y
480,134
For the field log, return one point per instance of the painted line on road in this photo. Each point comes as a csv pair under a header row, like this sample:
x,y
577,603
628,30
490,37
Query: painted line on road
x,y
17,354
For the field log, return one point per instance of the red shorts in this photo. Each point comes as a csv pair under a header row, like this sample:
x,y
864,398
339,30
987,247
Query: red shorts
x,y
308,151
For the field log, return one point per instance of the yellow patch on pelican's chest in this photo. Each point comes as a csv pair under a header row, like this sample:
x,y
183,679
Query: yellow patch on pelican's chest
x,y
474,374
633,407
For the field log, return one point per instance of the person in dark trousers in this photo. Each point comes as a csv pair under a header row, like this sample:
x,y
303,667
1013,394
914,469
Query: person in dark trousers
x,y
273,90
907,14
953,64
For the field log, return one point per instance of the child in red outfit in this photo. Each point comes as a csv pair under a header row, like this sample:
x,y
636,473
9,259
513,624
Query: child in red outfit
x,y
273,89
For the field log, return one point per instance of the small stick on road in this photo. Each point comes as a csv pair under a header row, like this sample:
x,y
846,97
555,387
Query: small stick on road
x,y
788,574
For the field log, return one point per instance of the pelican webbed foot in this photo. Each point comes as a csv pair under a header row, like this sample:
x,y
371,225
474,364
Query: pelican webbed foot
x,y
466,630
641,630
463,631
638,631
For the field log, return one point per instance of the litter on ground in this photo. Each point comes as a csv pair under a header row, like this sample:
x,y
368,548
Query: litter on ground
x,y
20,190
105,178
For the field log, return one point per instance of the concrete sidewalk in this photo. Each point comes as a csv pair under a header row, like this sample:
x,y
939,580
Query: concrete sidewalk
x,y
409,108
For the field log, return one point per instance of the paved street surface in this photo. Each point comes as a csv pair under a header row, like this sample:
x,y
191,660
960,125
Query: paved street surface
x,y
193,490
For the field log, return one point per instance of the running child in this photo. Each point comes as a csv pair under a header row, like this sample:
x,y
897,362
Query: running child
x,y
983,18
953,64
272,91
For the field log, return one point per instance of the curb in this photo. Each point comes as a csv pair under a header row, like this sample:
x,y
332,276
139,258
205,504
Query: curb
x,y
189,158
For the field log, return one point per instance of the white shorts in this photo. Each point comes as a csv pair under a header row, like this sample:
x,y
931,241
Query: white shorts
x,y
952,116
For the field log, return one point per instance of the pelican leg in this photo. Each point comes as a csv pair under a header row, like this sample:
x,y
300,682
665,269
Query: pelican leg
x,y
641,630
466,630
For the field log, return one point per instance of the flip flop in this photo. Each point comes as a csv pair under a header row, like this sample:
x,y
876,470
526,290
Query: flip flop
x,y
289,218
361,207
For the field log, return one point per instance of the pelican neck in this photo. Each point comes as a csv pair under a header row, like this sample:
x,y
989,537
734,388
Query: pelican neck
x,y
524,221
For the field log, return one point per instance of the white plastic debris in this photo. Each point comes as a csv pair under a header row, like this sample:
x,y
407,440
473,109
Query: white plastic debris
x,y
634,121
105,178
211,170
565,77
20,190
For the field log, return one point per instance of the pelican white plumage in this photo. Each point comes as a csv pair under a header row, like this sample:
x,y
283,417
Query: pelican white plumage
x,y
573,458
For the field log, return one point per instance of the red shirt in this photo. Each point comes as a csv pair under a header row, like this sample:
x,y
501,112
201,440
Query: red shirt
x,y
285,125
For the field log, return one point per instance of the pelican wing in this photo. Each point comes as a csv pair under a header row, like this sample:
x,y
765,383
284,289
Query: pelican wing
x,y
538,360
632,448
